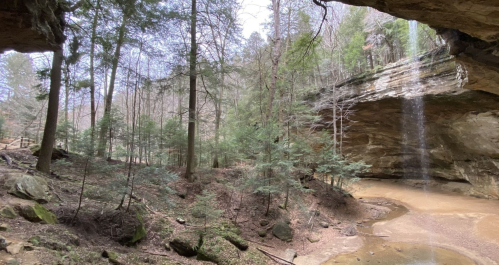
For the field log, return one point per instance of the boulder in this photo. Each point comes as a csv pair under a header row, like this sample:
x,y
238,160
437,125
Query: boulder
x,y
4,227
185,244
15,248
282,231
111,256
8,212
350,230
262,233
313,239
12,261
290,255
57,153
140,231
28,187
264,222
324,224
219,251
236,240
37,213
4,243
61,242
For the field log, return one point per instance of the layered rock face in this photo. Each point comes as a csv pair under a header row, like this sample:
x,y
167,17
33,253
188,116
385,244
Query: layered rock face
x,y
461,125
470,27
31,25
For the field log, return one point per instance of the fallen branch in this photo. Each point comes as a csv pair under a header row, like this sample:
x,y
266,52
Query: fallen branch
x,y
7,159
274,256
259,243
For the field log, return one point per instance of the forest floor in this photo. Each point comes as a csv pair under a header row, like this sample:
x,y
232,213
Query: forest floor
x,y
100,227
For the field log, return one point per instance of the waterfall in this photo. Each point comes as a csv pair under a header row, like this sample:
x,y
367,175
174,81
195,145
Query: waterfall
x,y
413,121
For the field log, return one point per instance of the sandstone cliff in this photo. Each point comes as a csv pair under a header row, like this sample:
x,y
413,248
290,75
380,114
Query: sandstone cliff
x,y
461,125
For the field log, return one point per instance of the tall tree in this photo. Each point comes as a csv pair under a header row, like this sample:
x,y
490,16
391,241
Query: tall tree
x,y
191,129
114,68
276,55
48,140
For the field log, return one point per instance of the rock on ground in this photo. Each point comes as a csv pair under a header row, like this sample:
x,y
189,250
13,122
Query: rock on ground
x,y
290,254
57,153
236,240
282,231
37,213
185,243
28,187
218,250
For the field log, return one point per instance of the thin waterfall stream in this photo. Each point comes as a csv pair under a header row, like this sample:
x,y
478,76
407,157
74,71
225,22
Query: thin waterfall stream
x,y
413,118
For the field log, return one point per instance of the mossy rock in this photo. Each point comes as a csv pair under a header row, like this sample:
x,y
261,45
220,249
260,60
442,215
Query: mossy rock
x,y
262,233
236,240
140,231
37,213
28,187
111,256
56,241
254,257
218,250
57,153
8,212
282,231
186,244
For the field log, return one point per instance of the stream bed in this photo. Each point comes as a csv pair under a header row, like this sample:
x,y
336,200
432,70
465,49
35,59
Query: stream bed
x,y
376,250
424,227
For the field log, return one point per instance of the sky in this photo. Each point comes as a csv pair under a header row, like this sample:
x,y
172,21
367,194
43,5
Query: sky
x,y
253,14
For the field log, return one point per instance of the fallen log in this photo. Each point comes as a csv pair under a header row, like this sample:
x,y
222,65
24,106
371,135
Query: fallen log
x,y
7,159
274,256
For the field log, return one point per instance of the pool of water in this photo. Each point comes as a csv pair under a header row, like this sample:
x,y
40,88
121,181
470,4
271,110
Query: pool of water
x,y
377,250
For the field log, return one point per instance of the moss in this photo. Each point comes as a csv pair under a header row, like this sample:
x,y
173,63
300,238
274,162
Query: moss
x,y
111,256
140,231
253,257
236,240
186,244
218,250
44,214
38,213
8,212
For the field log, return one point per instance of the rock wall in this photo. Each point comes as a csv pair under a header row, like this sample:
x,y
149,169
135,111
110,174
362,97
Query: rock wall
x,y
31,25
461,125
471,28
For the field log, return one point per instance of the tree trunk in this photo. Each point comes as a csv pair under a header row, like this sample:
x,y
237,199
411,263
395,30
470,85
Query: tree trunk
x,y
217,120
191,131
275,56
92,73
45,157
109,99
66,107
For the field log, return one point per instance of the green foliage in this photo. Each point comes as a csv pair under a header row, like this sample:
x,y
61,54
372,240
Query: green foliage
x,y
333,164
64,131
354,54
206,208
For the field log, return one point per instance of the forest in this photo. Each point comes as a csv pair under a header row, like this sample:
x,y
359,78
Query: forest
x,y
150,92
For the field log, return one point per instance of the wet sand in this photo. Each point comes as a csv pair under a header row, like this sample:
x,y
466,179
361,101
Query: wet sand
x,y
439,228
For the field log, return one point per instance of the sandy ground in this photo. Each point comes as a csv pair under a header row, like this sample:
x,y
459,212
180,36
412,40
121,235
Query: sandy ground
x,y
460,223
449,221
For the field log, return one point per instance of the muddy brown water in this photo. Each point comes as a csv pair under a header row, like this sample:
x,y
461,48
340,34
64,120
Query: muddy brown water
x,y
376,250
426,227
